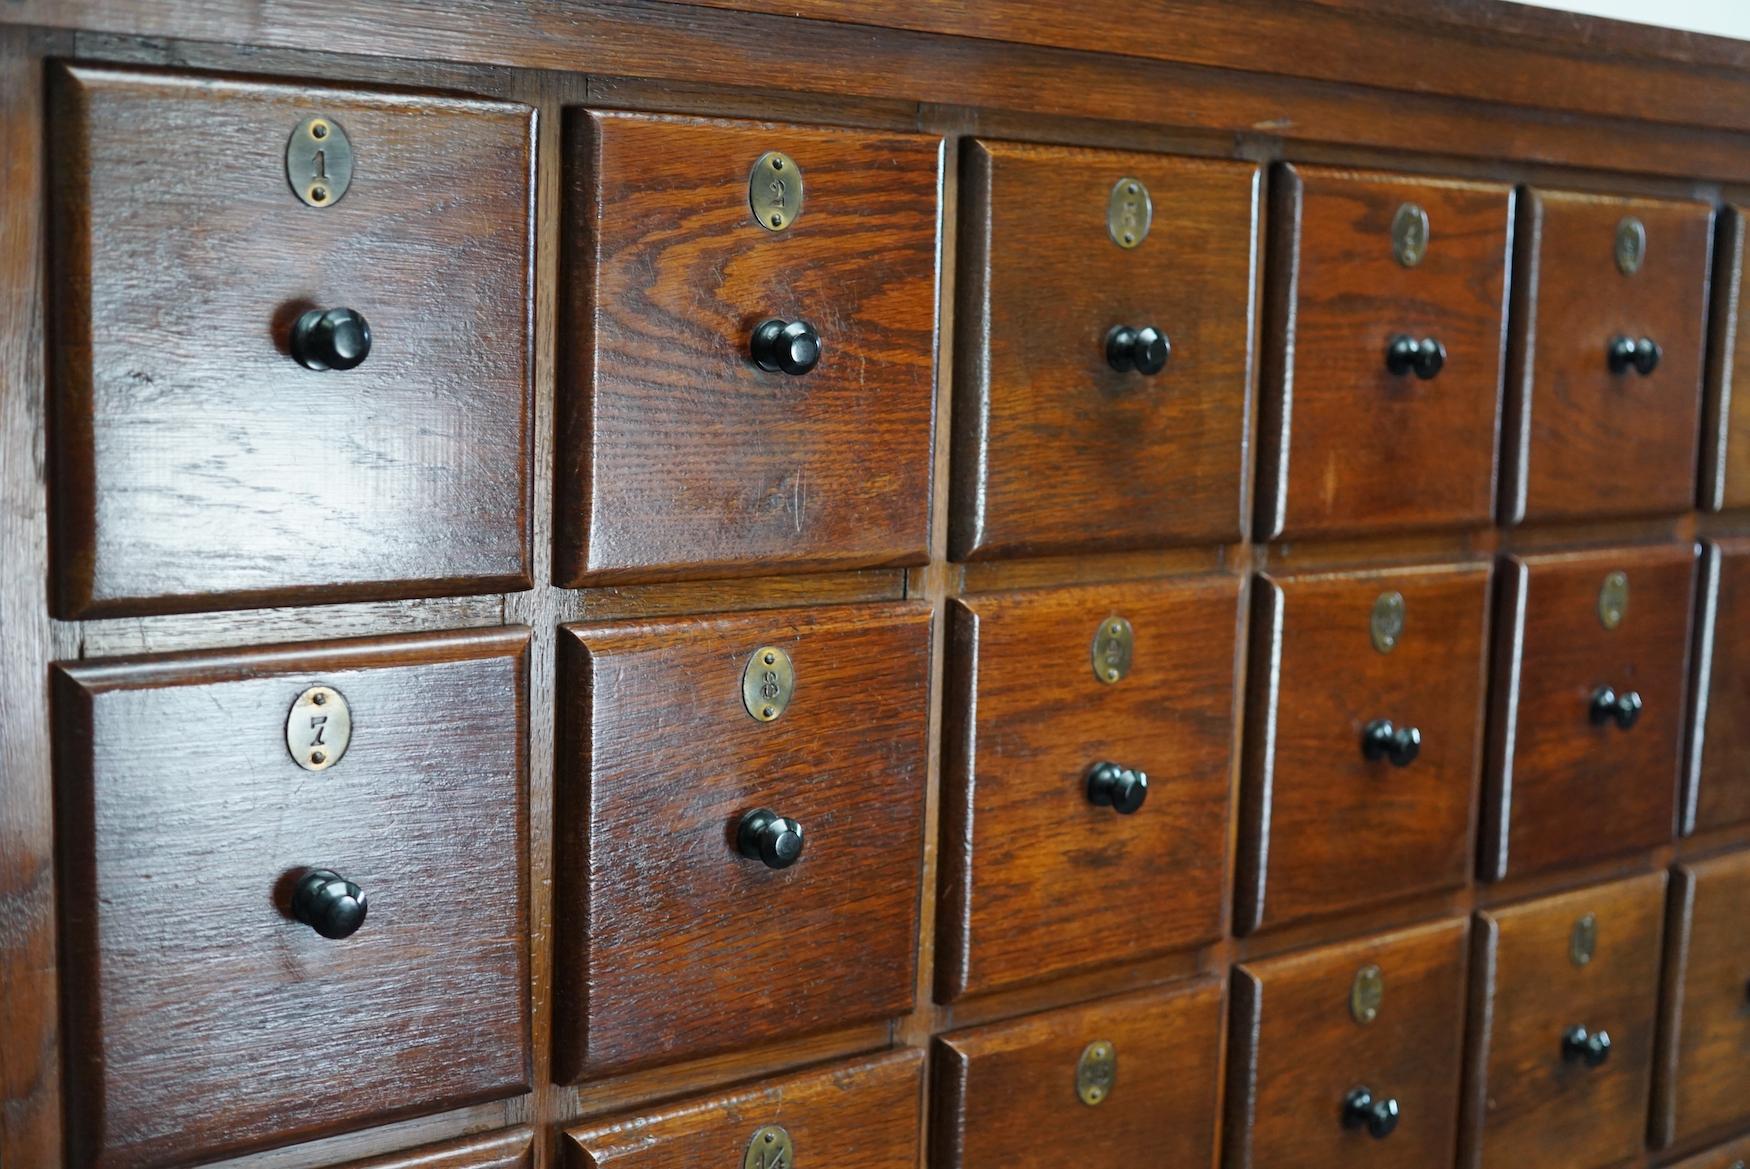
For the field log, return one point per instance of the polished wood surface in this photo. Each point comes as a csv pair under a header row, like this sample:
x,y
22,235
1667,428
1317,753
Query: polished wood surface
x,y
198,466
1725,434
1703,1083
509,1150
1717,791
199,1009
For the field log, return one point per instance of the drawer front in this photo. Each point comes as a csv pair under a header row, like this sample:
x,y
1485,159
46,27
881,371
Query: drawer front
x,y
1588,434
1565,997
1704,1077
1589,707
1041,873
503,1150
1725,435
1360,431
862,1114
1311,1084
1122,1082
671,942
1055,448
1731,1155
176,777
199,465
1717,788
680,455
1367,708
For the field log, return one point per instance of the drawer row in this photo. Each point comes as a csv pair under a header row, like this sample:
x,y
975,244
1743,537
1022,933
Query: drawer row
x,y
740,810
309,376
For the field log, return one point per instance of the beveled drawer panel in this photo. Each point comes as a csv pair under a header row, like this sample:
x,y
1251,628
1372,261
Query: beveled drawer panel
x,y
1717,768
861,1114
194,970
1564,1001
671,942
679,454
1590,431
1356,435
1041,874
198,463
1592,670
502,1150
1055,448
1366,711
1121,1082
1349,1055
1703,1083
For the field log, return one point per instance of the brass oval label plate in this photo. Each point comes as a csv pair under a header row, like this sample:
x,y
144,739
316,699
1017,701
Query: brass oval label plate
x,y
1385,625
1130,212
1096,1072
770,1148
1366,994
319,728
1113,645
1613,600
767,683
319,161
1631,245
774,190
1409,234
1583,942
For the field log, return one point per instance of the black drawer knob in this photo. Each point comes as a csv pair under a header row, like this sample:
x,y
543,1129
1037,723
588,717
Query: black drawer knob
x,y
1145,350
1361,1109
1626,353
1609,706
769,838
791,347
1123,789
329,903
336,338
1382,740
1424,358
1582,1046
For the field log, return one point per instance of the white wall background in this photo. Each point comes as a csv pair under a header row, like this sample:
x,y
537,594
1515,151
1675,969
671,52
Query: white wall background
x,y
1726,18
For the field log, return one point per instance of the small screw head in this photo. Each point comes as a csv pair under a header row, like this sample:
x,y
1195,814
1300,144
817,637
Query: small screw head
x,y
318,757
319,194
319,129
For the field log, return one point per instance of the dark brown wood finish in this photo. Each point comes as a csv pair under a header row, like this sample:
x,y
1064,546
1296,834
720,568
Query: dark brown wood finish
x,y
508,1150
857,1115
1562,786
1325,828
1006,1095
1297,1051
1347,445
1581,440
1725,434
679,456
198,1009
1732,1155
1702,1087
1528,1104
1036,880
1055,450
197,464
1717,787
669,942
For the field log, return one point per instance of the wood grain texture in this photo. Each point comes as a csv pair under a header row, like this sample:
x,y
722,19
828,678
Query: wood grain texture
x,y
1005,1094
1718,788
1731,1155
1560,787
1054,450
669,943
1725,424
1316,682
1035,880
678,455
1345,444
503,1150
184,823
862,1114
1296,1052
1580,440
1702,1086
1527,1107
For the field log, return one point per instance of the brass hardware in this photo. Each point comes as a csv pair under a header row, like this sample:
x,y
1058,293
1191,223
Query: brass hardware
x,y
1129,212
1613,599
1113,643
1386,624
767,682
1096,1072
770,1148
1366,993
319,161
1631,245
1409,234
319,728
1583,942
774,190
